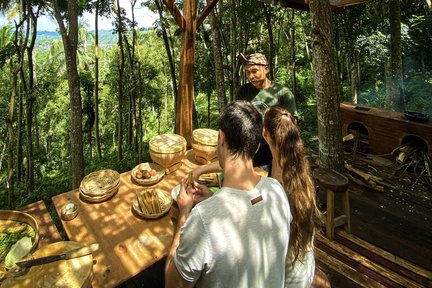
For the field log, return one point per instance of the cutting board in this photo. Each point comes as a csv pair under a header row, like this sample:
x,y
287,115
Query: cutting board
x,y
72,273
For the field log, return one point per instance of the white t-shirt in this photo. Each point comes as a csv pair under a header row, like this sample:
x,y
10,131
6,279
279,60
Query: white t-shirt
x,y
301,274
229,242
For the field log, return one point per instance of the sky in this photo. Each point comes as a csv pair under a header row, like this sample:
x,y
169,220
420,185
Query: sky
x,y
143,16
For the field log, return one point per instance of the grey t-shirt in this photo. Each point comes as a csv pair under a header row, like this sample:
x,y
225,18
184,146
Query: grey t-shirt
x,y
229,242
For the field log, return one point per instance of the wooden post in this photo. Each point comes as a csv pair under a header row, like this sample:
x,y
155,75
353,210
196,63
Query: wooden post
x,y
187,60
188,23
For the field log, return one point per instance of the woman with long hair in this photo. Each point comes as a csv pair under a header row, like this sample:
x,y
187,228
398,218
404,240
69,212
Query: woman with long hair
x,y
291,169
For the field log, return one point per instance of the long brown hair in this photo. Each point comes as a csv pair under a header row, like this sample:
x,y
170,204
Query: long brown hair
x,y
296,177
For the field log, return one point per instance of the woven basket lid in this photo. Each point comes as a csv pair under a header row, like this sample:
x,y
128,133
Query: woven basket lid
x,y
205,136
167,143
98,183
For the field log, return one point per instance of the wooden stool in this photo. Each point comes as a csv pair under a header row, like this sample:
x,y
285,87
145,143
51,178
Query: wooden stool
x,y
334,182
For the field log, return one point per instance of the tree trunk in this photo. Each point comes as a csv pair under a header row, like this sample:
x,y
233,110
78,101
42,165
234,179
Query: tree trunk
x,y
169,54
134,78
268,17
20,44
233,35
140,118
131,91
293,56
30,101
429,3
217,54
394,74
306,44
19,168
98,144
326,87
70,44
120,83
354,72
10,169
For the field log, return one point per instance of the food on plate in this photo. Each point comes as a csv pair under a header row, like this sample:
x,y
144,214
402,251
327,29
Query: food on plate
x,y
190,179
145,174
18,251
15,241
149,202
138,175
153,172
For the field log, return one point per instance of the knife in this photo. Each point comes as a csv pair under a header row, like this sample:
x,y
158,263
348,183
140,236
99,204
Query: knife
x,y
75,253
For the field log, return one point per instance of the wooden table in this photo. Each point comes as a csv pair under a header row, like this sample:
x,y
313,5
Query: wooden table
x,y
128,244
48,232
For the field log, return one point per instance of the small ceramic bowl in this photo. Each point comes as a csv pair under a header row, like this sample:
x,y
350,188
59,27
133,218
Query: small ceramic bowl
x,y
69,211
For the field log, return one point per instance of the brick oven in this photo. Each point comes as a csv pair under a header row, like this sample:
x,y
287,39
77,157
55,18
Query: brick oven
x,y
381,131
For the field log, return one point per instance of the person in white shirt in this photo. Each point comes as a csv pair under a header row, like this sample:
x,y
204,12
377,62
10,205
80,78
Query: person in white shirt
x,y
238,236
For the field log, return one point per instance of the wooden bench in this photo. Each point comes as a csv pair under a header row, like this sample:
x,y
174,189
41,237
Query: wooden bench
x,y
48,232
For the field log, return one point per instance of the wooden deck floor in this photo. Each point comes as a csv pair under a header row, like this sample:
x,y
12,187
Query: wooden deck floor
x,y
395,225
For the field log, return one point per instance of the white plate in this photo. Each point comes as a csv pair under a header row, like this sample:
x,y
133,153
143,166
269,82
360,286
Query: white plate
x,y
175,191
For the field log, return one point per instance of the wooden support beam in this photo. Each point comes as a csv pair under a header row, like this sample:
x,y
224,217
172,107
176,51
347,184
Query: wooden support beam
x,y
187,72
345,3
175,12
204,13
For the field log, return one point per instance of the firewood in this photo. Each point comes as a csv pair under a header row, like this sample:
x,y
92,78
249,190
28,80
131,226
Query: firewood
x,y
372,180
348,137
366,184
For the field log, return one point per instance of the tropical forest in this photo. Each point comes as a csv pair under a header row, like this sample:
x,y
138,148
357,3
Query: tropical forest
x,y
78,100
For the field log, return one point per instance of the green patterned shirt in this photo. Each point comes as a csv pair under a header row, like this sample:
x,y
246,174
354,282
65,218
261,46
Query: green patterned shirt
x,y
276,94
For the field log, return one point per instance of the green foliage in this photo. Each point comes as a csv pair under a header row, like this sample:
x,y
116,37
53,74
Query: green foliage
x,y
201,105
418,92
361,35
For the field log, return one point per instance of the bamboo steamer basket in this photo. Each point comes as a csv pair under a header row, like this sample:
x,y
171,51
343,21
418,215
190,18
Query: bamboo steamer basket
x,y
71,273
167,150
99,185
204,145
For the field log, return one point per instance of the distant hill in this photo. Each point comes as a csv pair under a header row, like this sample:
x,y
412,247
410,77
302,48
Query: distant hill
x,y
45,39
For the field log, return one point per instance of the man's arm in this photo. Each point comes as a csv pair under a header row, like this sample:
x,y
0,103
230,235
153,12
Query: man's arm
x,y
208,168
172,276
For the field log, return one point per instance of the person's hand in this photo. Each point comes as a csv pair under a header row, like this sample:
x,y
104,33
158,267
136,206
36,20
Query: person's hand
x,y
185,197
200,192
197,172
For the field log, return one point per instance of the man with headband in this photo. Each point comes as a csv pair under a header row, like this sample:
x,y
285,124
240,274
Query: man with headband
x,y
263,93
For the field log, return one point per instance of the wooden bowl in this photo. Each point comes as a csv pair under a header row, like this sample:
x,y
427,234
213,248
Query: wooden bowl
x,y
160,172
8,219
